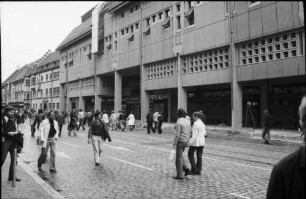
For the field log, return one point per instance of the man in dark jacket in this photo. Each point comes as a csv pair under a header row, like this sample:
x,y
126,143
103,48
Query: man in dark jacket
x,y
288,176
8,135
266,131
61,121
150,121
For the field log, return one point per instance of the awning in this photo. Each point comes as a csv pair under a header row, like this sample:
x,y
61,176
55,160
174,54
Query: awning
x,y
147,32
167,23
131,38
109,46
70,60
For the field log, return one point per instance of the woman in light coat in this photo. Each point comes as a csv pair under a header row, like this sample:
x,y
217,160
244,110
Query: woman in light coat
x,y
48,130
196,143
113,120
131,121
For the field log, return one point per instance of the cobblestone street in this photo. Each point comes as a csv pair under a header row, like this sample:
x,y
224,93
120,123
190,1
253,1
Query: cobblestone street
x,y
136,165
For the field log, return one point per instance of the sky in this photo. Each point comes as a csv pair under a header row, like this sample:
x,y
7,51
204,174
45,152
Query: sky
x,y
30,29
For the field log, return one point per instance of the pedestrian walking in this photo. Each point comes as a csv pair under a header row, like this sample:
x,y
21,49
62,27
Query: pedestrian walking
x,y
160,118
122,120
39,118
81,117
113,120
61,121
89,116
181,140
97,133
9,134
155,121
131,121
73,123
105,118
150,120
196,144
32,121
49,134
19,116
266,131
288,175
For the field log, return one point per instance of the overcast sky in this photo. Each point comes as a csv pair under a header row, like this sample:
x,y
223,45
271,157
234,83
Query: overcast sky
x,y
30,29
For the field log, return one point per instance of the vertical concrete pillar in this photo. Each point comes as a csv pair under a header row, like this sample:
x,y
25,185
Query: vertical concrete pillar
x,y
97,92
144,97
263,101
62,97
181,93
69,104
236,106
169,106
118,92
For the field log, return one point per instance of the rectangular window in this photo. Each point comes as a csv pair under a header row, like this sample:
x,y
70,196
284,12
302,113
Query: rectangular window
x,y
116,46
41,78
122,15
122,32
57,106
137,26
178,7
131,10
132,28
127,30
110,38
167,13
153,18
148,22
178,19
116,34
160,16
46,92
137,7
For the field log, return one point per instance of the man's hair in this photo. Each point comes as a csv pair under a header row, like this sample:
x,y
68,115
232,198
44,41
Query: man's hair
x,y
196,114
181,113
97,114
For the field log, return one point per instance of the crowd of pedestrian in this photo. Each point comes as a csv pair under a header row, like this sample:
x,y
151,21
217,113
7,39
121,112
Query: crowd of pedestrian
x,y
287,177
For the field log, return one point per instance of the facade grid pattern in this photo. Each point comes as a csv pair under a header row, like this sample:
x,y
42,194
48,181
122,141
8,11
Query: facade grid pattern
x,y
74,86
205,61
87,83
161,69
281,46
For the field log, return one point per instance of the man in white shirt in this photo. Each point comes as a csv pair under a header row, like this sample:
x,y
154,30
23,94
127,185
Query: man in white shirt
x,y
196,143
81,117
105,118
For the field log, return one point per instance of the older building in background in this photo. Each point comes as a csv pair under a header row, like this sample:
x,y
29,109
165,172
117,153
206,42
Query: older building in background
x,y
44,83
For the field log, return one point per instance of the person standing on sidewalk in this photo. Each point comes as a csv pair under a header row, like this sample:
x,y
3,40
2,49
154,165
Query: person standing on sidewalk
x,y
122,120
181,140
32,122
131,121
39,118
8,133
49,134
113,120
105,118
266,131
160,118
150,121
61,121
155,120
81,117
95,132
196,143
288,175
73,123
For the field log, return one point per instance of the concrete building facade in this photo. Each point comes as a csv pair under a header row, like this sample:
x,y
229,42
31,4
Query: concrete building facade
x,y
230,59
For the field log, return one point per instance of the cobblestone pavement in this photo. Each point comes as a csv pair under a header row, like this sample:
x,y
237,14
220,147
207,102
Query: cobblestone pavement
x,y
136,165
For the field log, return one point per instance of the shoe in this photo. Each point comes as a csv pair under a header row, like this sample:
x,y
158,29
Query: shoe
x,y
53,170
174,177
97,164
17,179
187,172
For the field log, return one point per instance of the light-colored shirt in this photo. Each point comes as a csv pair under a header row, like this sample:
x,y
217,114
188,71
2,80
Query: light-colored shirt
x,y
182,128
198,134
131,120
105,118
155,116
81,115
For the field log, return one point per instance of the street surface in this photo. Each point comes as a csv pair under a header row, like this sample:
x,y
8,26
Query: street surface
x,y
137,165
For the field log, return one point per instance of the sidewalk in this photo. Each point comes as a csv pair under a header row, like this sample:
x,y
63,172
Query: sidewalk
x,y
277,136
31,185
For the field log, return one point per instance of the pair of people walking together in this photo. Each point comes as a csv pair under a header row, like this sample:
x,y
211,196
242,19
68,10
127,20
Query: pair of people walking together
x,y
192,137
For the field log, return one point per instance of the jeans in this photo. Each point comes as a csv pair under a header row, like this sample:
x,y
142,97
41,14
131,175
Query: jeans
x,y
81,124
266,134
180,163
150,126
96,144
60,127
195,167
160,123
5,148
51,143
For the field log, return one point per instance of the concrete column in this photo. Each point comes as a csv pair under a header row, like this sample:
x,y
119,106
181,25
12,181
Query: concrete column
x,y
236,106
62,97
169,106
181,93
69,105
97,92
144,97
263,101
118,92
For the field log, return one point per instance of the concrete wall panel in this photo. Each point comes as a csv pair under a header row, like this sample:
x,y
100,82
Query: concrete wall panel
x,y
284,15
274,69
255,22
269,19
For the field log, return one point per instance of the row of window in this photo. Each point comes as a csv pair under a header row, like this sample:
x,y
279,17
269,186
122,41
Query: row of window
x,y
77,56
161,69
50,107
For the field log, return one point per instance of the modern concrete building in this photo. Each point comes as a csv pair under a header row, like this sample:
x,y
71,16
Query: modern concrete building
x,y
230,59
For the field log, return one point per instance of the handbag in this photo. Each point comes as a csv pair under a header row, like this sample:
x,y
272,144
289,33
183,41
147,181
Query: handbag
x,y
43,156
